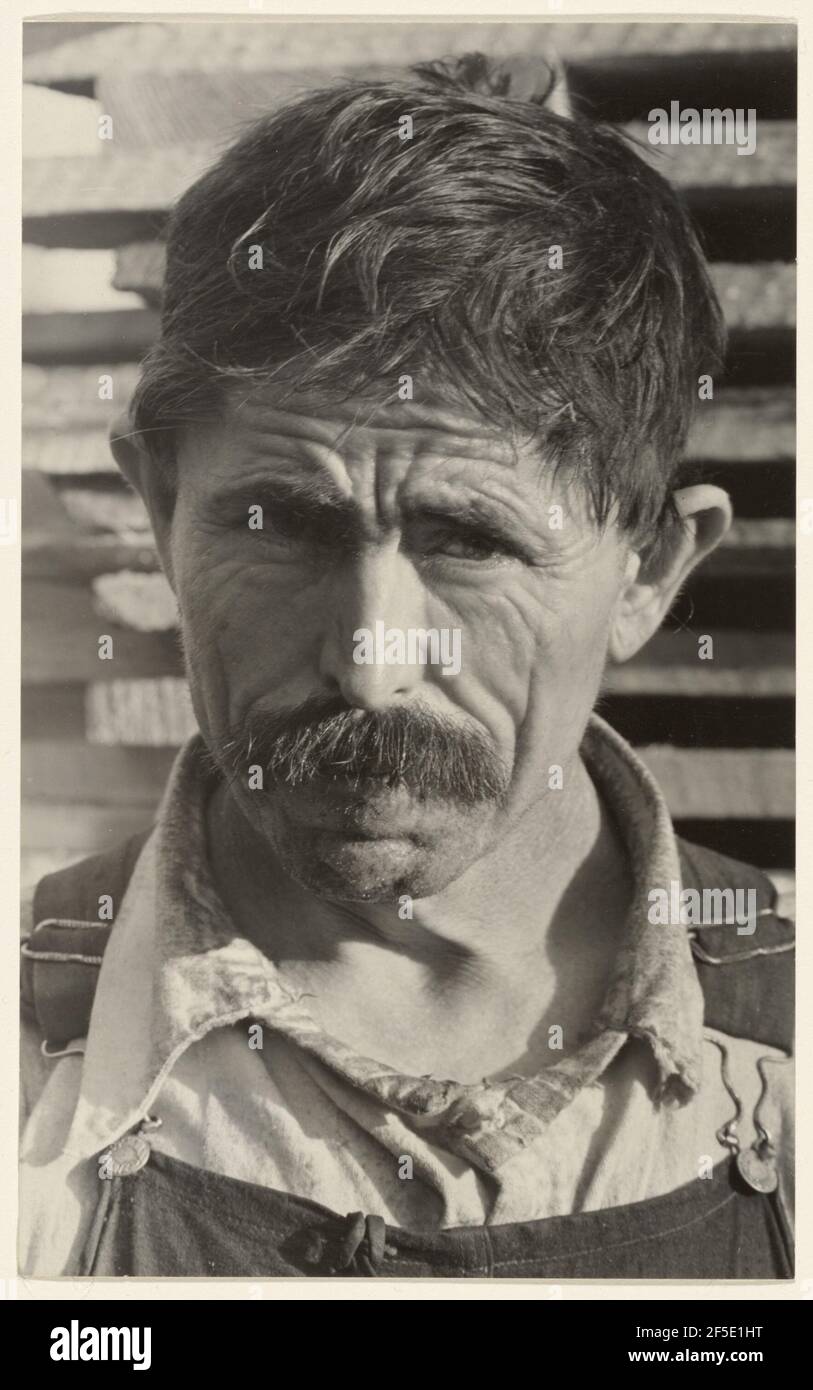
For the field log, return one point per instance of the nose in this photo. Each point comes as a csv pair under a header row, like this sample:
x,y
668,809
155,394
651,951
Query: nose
x,y
377,596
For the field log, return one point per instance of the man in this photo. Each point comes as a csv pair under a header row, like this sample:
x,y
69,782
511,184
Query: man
x,y
388,990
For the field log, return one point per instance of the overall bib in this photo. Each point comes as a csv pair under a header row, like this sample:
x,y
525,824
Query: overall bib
x,y
171,1219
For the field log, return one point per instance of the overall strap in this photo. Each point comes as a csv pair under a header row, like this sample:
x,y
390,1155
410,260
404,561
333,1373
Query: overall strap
x,y
747,978
62,956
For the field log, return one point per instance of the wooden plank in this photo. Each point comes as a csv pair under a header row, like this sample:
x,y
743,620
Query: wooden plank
x,y
764,358
146,713
56,280
96,509
749,562
721,782
142,602
113,336
36,863
43,515
92,231
702,721
40,34
620,88
140,268
755,547
285,47
743,663
67,397
61,633
772,162
768,844
744,223
82,558
752,296
54,770
67,451
746,425
198,107
53,712
757,491
53,546
117,181
762,600
776,533
85,829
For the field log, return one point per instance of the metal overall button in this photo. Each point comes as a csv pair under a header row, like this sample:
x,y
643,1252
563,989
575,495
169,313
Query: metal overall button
x,y
129,1154
757,1167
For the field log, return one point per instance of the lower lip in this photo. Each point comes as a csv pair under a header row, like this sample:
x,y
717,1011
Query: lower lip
x,y
375,819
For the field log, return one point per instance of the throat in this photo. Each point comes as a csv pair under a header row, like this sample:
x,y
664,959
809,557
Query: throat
x,y
505,972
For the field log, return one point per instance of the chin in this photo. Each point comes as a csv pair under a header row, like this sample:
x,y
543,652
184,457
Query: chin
x,y
346,869
344,866
374,848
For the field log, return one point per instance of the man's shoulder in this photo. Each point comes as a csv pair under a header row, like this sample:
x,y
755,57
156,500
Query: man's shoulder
x,y
703,867
72,893
745,962
66,922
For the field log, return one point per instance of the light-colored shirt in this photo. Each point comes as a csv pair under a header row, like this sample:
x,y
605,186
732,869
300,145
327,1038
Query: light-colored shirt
x,y
632,1112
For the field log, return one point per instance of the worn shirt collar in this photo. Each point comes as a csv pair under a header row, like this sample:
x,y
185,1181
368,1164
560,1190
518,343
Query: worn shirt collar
x,y
176,968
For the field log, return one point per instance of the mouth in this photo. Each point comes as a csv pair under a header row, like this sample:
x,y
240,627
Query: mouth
x,y
352,835
374,814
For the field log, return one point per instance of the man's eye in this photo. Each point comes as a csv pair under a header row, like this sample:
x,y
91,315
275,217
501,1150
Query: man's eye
x,y
284,525
469,545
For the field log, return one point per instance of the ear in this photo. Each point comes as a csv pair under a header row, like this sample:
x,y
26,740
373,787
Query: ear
x,y
652,581
148,476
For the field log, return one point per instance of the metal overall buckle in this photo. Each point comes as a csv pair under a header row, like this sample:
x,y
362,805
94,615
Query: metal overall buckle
x,y
756,1165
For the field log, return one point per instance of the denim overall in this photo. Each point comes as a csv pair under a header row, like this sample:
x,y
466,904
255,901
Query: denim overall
x,y
158,1216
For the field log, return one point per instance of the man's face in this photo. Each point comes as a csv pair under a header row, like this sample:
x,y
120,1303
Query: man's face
x,y
383,521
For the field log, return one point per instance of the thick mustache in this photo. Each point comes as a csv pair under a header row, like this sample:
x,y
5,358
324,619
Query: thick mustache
x,y
402,747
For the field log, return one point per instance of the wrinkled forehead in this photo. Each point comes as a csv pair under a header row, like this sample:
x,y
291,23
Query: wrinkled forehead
x,y
278,429
357,422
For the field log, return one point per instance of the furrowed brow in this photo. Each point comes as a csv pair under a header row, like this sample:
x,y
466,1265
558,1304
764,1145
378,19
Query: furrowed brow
x,y
465,512
310,497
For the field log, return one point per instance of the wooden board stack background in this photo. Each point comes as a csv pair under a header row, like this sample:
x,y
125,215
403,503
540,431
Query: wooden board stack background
x,y
99,736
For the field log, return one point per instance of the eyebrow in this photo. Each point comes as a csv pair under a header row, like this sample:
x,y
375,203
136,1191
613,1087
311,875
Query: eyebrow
x,y
469,511
309,496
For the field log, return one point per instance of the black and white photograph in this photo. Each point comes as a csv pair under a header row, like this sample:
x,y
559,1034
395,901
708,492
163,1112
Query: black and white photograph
x,y
408,520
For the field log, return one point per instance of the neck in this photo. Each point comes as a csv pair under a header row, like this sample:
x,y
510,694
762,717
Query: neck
x,y
551,862
468,986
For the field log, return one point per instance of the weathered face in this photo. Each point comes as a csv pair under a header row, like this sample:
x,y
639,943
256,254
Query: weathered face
x,y
375,525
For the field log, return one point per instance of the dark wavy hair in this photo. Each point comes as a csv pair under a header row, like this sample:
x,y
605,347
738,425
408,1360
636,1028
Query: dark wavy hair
x,y
429,256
